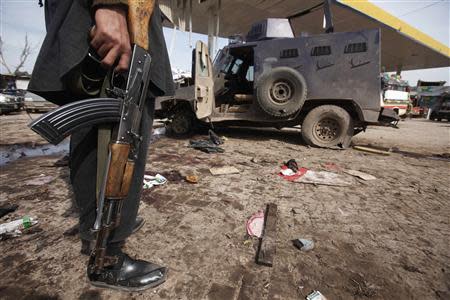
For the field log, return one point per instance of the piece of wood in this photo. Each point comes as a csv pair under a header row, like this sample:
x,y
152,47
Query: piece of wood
x,y
224,170
139,15
268,241
360,174
325,178
371,150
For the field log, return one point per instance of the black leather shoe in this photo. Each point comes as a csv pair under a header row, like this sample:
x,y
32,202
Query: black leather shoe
x,y
88,246
127,274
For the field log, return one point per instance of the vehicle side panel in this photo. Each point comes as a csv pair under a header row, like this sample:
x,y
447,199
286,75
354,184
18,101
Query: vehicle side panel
x,y
335,66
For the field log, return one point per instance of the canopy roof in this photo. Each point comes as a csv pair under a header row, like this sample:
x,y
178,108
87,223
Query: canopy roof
x,y
402,46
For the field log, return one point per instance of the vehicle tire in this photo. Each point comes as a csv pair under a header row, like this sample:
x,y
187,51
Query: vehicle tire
x,y
328,126
281,91
182,122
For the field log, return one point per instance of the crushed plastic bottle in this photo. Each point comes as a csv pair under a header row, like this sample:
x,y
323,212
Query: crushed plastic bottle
x,y
14,228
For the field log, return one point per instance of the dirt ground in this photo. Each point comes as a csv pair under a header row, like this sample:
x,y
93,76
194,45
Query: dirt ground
x,y
382,239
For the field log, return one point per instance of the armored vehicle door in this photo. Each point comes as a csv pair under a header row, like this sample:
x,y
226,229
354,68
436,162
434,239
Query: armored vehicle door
x,y
204,84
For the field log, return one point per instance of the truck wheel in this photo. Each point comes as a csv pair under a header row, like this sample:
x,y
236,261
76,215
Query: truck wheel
x,y
281,91
181,123
327,126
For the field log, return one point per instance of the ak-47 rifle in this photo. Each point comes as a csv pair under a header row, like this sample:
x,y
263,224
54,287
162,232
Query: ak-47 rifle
x,y
125,107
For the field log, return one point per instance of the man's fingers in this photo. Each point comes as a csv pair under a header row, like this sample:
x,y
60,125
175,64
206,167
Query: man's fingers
x,y
124,63
110,58
92,31
96,42
103,50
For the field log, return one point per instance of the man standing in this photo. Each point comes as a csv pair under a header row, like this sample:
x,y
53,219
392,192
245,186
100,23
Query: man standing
x,y
75,28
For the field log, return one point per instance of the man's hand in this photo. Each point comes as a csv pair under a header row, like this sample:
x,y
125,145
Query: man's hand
x,y
110,38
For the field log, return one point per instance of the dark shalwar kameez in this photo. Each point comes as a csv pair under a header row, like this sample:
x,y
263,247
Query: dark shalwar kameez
x,y
66,44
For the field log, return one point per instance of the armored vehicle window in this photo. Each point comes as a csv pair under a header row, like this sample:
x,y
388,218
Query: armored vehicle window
x,y
250,73
288,53
222,62
321,50
355,48
237,64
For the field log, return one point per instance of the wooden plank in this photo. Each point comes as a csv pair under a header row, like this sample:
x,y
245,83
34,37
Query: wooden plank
x,y
224,170
267,243
371,150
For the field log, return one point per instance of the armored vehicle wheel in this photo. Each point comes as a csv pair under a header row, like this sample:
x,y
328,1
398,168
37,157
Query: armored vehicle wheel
x,y
327,126
281,91
182,123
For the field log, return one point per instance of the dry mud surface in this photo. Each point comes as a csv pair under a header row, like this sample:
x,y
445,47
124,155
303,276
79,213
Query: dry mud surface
x,y
382,239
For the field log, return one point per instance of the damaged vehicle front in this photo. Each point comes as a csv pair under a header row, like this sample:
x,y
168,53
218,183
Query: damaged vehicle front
x,y
327,84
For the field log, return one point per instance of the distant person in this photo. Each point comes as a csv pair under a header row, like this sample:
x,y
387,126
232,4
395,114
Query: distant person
x,y
11,85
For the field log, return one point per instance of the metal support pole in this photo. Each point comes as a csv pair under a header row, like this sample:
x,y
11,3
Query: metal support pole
x,y
329,27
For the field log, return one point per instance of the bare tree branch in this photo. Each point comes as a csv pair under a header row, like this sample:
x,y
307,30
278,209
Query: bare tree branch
x,y
2,59
26,51
24,55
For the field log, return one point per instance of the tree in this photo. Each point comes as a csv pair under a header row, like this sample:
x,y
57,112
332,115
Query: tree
x,y
26,51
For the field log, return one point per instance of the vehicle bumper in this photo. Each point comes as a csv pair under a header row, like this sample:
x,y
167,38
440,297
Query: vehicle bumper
x,y
9,107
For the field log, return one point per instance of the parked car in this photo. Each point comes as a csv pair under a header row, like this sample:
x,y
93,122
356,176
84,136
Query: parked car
x,y
328,83
11,101
34,103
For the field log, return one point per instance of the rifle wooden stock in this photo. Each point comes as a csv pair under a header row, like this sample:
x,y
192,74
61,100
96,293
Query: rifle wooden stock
x,y
139,15
120,172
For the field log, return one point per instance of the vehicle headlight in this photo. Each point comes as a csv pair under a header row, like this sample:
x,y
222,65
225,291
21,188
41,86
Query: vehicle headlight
x,y
2,98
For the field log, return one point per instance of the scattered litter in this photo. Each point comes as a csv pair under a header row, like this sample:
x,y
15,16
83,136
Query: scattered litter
x,y
157,134
173,176
316,295
150,181
371,150
224,170
206,146
213,137
192,179
159,131
41,180
303,244
211,145
255,224
292,164
14,228
290,174
8,208
287,172
324,178
360,174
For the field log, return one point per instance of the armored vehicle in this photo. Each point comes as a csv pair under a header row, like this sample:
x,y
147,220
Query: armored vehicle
x,y
329,84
